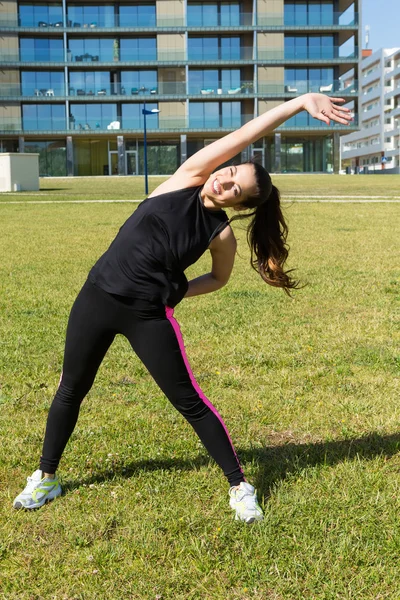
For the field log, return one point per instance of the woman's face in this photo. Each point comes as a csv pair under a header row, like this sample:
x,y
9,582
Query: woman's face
x,y
229,187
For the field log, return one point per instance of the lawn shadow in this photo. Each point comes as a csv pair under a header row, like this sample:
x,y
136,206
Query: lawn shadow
x,y
271,464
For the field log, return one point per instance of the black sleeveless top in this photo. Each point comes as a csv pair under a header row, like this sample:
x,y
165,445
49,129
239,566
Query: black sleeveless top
x,y
163,237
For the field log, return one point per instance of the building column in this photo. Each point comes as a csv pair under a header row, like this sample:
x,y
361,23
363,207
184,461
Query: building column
x,y
336,152
121,154
70,157
21,143
277,162
183,148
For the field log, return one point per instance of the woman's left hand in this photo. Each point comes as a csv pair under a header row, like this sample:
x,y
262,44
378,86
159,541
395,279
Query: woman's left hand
x,y
326,109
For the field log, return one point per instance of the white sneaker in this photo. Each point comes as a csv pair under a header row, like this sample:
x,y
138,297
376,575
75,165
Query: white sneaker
x,y
243,499
38,491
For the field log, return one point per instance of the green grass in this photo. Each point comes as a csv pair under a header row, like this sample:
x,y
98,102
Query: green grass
x,y
128,188
309,388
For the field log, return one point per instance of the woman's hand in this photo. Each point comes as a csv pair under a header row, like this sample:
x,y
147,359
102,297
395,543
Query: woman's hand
x,y
325,109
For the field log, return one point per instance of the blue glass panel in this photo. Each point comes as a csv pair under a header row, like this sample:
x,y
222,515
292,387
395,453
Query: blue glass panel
x,y
194,14
300,13
289,13
211,114
210,15
130,116
147,16
300,47
55,14
314,13
327,13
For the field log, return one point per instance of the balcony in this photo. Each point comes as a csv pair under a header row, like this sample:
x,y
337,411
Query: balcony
x,y
305,121
220,20
221,88
206,123
210,54
307,20
13,56
92,21
303,87
304,55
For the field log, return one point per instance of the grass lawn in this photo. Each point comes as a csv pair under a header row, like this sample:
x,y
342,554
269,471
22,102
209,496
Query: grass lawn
x,y
309,388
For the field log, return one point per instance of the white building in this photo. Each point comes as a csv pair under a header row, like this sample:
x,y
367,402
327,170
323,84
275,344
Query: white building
x,y
377,145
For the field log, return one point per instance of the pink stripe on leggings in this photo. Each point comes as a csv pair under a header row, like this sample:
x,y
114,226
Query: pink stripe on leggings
x,y
169,312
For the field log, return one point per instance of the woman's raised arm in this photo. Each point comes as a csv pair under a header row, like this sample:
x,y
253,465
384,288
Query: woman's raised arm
x,y
206,160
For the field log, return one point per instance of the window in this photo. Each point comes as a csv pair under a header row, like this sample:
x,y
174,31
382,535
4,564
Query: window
x,y
92,116
137,48
132,116
36,117
89,82
136,82
90,15
214,48
36,83
91,49
41,49
309,12
143,15
308,47
40,15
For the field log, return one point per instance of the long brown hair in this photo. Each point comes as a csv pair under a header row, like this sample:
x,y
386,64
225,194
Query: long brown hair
x,y
267,232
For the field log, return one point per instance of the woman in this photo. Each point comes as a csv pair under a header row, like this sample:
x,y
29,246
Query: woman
x,y
134,286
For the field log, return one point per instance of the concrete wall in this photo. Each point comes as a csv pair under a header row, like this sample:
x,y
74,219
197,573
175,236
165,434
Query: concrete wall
x,y
171,45
266,105
168,11
19,172
272,8
8,8
172,114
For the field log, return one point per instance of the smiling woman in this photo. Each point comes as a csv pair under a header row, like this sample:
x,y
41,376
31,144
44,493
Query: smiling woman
x,y
133,288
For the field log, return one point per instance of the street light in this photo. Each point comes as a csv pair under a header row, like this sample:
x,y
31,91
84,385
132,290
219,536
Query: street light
x,y
144,113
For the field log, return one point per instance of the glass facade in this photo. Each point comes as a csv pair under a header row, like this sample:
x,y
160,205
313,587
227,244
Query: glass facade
x,y
132,116
41,49
101,63
306,155
213,14
214,48
40,15
42,83
212,115
43,117
309,46
92,116
309,12
214,79
52,156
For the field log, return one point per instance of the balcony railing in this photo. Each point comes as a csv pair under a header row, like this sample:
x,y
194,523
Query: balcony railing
x,y
159,122
313,19
303,87
210,54
304,120
312,53
53,55
166,88
244,87
92,20
219,19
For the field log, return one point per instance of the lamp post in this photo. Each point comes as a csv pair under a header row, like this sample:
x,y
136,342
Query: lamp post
x,y
144,113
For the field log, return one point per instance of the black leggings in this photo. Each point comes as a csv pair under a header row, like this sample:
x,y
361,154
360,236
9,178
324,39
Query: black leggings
x,y
96,317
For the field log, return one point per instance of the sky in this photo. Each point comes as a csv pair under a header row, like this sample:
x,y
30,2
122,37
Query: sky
x,y
383,17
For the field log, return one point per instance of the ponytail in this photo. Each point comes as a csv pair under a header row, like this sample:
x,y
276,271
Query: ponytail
x,y
267,233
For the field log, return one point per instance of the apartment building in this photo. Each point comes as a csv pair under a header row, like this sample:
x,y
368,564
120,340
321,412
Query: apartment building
x,y
75,78
377,145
